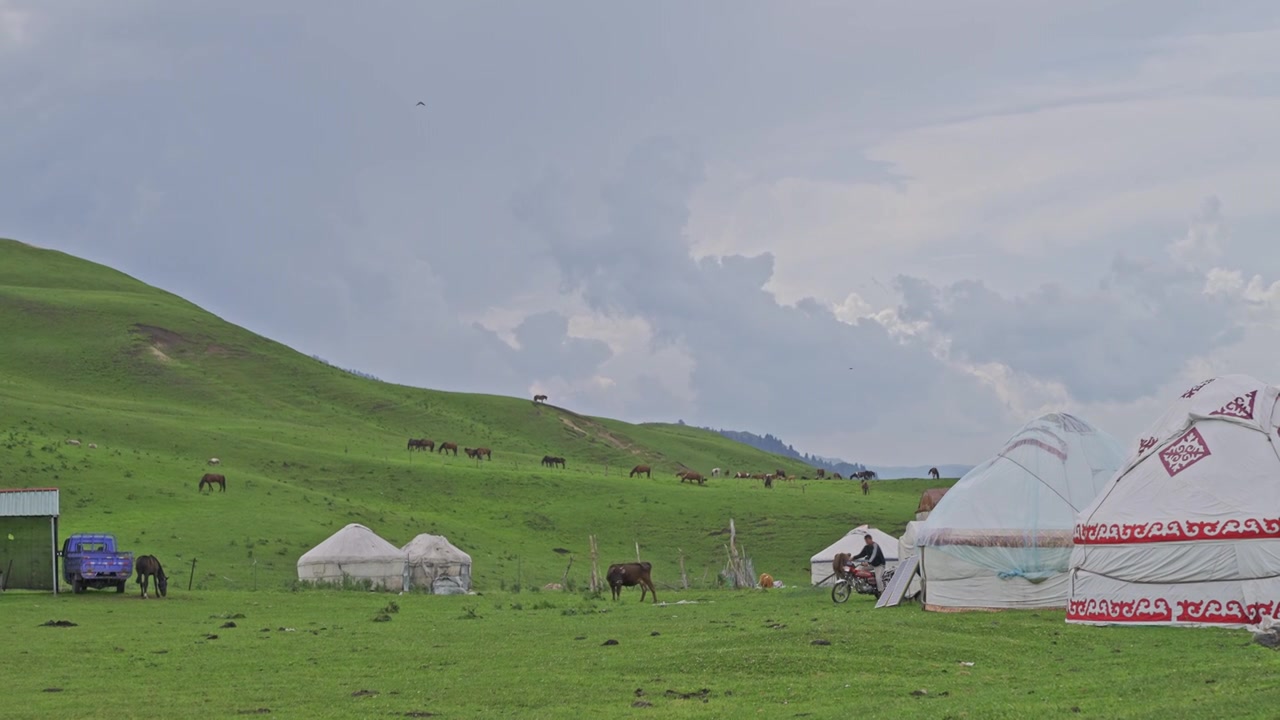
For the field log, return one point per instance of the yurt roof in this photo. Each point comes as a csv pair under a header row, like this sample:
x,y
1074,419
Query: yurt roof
x,y
1030,491
353,543
434,547
852,542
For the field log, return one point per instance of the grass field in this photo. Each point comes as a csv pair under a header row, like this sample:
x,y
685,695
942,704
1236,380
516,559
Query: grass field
x,y
160,386
543,655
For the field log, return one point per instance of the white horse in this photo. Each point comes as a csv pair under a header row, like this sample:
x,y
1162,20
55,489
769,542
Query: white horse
x,y
715,472
215,461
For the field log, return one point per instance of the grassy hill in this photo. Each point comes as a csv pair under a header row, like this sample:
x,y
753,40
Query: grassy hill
x,y
160,385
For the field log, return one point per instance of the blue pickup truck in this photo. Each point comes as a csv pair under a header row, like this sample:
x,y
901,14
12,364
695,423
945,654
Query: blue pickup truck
x,y
93,560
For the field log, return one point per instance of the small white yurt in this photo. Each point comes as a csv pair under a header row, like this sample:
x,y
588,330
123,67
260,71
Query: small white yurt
x,y
1189,532
357,553
1001,536
852,543
437,566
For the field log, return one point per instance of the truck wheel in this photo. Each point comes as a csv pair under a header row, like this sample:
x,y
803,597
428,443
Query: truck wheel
x,y
77,585
120,587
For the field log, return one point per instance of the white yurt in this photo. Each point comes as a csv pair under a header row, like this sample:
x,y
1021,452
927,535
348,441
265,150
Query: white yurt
x,y
852,543
354,552
1001,536
1189,532
436,565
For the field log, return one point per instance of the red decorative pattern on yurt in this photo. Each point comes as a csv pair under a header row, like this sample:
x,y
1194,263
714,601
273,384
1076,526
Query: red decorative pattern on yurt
x,y
1177,531
1241,407
1184,452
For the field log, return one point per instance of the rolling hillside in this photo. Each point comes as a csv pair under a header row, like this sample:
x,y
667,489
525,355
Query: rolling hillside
x,y
160,385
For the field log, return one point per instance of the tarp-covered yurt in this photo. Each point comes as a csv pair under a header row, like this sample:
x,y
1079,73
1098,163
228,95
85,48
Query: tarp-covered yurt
x,y
1189,532
437,566
354,552
1001,536
929,500
852,543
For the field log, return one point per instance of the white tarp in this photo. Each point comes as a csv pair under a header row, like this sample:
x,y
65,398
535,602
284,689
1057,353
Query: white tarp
x,y
906,548
1001,537
852,543
1189,532
437,565
354,552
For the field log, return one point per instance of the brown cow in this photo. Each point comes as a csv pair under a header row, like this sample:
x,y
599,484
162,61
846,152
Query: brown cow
x,y
628,575
639,469
447,446
212,479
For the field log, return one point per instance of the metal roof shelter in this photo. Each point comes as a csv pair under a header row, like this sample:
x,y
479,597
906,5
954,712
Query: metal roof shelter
x,y
29,539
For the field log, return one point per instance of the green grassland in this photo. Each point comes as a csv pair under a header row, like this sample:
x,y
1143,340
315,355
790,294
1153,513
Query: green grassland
x,y
321,653
160,385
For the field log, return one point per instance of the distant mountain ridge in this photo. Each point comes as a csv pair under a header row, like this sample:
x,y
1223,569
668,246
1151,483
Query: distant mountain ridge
x,y
772,444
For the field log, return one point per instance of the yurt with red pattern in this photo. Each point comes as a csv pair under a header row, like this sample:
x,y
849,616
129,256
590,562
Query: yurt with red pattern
x,y
1188,533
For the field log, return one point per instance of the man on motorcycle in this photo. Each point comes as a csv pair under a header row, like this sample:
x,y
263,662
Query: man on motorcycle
x,y
874,556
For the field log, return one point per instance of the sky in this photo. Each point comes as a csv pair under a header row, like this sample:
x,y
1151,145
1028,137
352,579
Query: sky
x,y
886,232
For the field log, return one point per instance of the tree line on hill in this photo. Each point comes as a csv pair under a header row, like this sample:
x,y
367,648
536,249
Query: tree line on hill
x,y
357,373
769,443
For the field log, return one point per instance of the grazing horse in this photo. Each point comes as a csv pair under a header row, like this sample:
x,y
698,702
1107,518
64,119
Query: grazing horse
x,y
212,479
149,567
821,473
715,472
742,474
837,476
472,453
539,399
216,461
484,452
866,487
558,461
447,446
422,444
933,473
629,575
768,481
780,473
548,461
639,469
691,476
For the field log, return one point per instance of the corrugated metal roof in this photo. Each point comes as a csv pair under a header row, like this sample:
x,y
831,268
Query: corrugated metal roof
x,y
27,502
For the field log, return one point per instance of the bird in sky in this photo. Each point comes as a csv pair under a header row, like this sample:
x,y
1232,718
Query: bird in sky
x,y
421,103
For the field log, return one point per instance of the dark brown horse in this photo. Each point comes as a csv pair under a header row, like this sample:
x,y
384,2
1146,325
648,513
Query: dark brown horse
x,y
933,473
821,473
149,567
485,453
552,461
421,444
640,470
212,479
539,398
471,452
628,575
447,446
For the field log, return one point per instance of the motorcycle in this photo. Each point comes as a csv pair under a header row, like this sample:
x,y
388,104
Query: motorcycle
x,y
857,577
